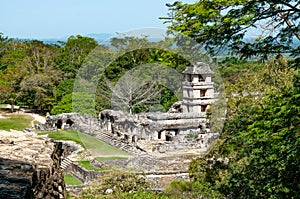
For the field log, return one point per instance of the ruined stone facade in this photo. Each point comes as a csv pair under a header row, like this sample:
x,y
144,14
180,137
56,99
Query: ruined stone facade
x,y
190,119
184,127
163,143
30,166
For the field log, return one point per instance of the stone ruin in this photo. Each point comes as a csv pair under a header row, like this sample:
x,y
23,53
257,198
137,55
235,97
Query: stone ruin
x,y
182,128
30,166
163,143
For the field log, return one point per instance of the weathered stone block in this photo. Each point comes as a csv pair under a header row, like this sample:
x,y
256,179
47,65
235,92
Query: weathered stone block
x,y
30,166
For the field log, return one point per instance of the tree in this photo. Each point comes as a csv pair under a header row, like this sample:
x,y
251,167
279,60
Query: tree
x,y
73,53
132,91
129,53
228,23
63,88
268,150
63,106
40,77
116,184
11,69
257,155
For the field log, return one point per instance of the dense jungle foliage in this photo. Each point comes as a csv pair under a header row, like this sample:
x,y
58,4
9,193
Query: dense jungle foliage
x,y
257,154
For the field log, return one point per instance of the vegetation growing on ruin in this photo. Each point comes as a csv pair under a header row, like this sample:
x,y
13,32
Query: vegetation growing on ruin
x,y
120,184
16,122
87,165
91,144
102,159
257,155
71,180
64,135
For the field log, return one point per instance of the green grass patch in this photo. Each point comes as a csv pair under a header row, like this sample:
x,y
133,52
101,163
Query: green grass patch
x,y
97,147
65,135
94,146
71,180
36,122
3,106
102,159
88,166
16,122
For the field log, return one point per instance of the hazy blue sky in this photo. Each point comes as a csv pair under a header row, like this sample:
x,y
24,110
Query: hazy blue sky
x,y
59,18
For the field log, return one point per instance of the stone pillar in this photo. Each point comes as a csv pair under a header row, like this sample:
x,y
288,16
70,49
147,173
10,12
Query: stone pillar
x,y
163,135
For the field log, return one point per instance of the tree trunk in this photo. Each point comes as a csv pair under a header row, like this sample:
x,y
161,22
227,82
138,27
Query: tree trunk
x,y
12,107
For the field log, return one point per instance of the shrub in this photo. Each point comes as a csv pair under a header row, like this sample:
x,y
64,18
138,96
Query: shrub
x,y
118,182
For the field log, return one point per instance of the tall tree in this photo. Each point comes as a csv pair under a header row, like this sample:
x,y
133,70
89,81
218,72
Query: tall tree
x,y
132,91
73,53
257,155
41,76
11,69
273,25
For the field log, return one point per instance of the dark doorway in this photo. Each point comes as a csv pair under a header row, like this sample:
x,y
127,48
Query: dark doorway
x,y
159,135
169,137
200,78
202,93
58,124
203,108
126,136
69,122
189,78
134,138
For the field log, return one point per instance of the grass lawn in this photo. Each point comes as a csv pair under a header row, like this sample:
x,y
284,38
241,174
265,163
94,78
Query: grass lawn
x,y
71,180
102,159
16,122
94,146
64,135
97,147
88,166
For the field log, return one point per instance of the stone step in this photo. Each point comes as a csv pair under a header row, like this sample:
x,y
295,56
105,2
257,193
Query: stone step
x,y
111,141
106,134
107,137
65,163
64,166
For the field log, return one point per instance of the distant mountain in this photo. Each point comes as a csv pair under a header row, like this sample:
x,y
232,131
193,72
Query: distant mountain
x,y
104,37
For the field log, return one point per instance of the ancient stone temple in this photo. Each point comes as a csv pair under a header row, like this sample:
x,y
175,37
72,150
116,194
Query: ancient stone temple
x,y
198,95
198,89
184,126
162,144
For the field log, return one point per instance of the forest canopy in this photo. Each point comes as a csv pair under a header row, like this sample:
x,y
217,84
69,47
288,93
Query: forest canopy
x,y
245,27
257,154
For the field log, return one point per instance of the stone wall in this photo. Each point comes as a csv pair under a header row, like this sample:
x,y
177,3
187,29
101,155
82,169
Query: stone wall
x,y
138,134
82,174
30,166
115,136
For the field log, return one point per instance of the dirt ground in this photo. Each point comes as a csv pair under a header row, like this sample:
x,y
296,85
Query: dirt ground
x,y
36,117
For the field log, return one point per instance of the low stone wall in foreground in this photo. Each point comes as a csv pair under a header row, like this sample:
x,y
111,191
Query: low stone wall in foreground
x,y
30,166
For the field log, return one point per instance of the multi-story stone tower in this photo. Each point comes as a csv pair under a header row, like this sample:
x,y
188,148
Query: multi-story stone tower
x,y
198,95
198,89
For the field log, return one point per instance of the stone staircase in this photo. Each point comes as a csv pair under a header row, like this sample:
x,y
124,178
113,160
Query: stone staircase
x,y
65,163
107,137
